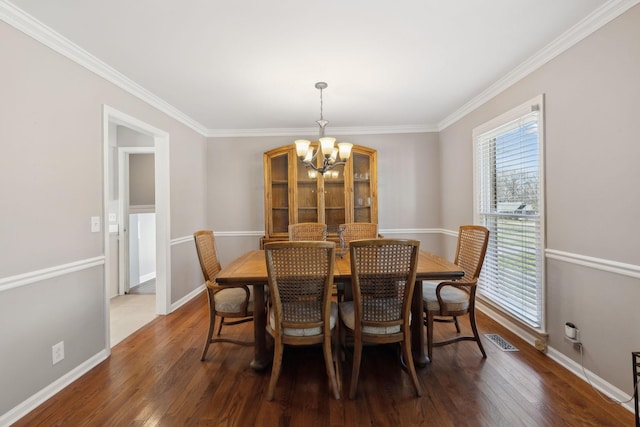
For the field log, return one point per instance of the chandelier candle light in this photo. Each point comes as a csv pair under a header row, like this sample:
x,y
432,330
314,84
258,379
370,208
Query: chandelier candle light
x,y
330,151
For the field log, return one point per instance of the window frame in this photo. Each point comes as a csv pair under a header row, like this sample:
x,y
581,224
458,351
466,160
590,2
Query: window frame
x,y
492,125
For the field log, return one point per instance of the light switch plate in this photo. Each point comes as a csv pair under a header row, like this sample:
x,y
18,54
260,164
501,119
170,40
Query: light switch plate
x,y
95,224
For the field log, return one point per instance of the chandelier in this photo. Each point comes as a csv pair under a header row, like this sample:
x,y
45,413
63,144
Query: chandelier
x,y
332,154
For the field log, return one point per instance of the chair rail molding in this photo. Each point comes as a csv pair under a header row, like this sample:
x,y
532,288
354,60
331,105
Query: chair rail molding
x,y
48,273
610,266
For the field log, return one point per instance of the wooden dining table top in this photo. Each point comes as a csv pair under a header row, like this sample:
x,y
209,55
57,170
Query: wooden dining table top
x,y
251,269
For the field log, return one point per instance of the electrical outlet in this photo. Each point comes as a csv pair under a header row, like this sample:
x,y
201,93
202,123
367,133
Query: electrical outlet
x,y
57,352
572,333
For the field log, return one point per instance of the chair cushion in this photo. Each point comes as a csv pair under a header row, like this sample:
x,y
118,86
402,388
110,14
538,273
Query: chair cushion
x,y
456,299
348,317
230,300
306,332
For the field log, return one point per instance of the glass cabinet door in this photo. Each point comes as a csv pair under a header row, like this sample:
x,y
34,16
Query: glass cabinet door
x,y
308,194
334,198
362,188
295,193
279,186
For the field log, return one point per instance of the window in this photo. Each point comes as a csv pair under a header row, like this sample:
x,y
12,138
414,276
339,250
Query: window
x,y
508,200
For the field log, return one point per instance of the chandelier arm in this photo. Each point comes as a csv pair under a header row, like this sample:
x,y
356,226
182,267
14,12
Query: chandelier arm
x,y
326,166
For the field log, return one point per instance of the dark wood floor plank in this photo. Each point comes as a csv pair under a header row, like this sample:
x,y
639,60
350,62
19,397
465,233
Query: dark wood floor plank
x,y
155,378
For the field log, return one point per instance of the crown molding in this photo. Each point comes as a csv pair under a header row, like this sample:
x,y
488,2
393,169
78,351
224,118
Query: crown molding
x,y
32,27
365,130
35,29
594,21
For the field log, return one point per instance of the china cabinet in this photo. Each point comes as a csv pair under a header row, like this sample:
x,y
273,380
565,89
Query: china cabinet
x,y
294,193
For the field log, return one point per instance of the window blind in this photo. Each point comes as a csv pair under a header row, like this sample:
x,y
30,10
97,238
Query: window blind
x,y
508,201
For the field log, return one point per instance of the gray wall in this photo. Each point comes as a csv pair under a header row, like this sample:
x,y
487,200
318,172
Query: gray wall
x,y
592,175
51,170
142,189
408,187
51,166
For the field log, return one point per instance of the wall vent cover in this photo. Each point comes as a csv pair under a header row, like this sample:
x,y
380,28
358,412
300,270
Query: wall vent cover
x,y
500,342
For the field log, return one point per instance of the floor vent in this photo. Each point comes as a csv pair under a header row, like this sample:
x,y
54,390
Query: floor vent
x,y
500,342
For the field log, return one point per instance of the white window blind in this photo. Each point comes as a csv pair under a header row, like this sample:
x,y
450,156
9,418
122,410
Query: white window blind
x,y
509,202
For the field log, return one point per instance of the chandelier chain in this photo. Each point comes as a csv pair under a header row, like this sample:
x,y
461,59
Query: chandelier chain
x,y
321,104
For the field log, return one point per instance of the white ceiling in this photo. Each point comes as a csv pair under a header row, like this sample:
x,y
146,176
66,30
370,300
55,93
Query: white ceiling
x,y
241,65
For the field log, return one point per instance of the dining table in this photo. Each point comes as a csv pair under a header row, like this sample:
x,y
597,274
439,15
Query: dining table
x,y
251,269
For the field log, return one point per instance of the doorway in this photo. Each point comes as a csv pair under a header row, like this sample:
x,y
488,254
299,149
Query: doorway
x,y
138,218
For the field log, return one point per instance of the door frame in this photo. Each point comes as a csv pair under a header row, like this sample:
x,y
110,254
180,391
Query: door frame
x,y
163,224
123,213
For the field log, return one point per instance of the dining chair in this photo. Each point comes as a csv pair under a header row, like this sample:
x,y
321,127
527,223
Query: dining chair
x,y
301,312
307,231
356,230
234,302
457,298
346,233
383,274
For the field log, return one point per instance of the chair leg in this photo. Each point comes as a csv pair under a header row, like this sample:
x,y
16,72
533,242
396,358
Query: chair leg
x,y
343,340
275,369
474,328
337,355
429,334
328,361
455,320
220,325
212,323
406,350
355,370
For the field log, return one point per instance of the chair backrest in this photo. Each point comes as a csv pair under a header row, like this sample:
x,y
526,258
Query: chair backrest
x,y
300,278
206,248
472,247
307,231
356,231
383,274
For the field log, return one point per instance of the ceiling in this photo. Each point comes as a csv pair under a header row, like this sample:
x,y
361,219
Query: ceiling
x,y
244,66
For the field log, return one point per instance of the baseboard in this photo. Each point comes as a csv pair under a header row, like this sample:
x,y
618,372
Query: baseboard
x,y
504,321
598,383
52,389
185,299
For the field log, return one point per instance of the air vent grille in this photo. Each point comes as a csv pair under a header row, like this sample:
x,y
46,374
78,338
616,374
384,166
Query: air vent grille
x,y
500,342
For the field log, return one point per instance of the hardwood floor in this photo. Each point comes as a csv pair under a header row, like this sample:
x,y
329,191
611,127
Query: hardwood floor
x,y
155,377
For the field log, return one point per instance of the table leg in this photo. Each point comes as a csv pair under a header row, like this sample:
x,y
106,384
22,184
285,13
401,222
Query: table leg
x,y
417,329
261,359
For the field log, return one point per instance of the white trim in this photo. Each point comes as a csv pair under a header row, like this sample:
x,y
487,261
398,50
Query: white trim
x,y
630,270
34,28
392,231
7,283
258,233
51,390
185,299
596,381
138,209
163,212
597,19
125,209
564,361
516,113
181,240
24,22
16,281
368,130
147,277
506,322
